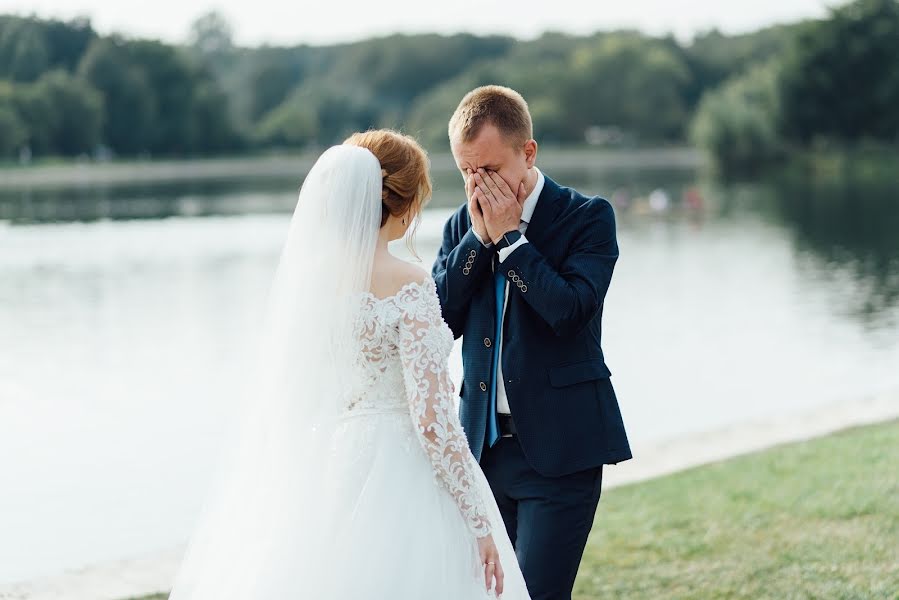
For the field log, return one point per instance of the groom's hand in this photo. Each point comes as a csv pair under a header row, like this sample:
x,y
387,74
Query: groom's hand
x,y
500,206
474,208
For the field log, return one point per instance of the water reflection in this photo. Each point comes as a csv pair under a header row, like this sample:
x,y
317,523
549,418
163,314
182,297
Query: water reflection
x,y
86,203
844,229
847,232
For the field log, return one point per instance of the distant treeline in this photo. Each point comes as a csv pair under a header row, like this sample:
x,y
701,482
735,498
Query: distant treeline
x,y
65,90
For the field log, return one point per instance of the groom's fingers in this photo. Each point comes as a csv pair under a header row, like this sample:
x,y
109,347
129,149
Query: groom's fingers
x,y
469,184
485,190
500,184
474,207
473,199
478,198
491,188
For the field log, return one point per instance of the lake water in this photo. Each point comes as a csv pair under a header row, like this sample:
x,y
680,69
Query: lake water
x,y
126,315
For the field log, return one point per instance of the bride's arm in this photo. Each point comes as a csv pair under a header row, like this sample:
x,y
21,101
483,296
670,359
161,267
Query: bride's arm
x,y
424,352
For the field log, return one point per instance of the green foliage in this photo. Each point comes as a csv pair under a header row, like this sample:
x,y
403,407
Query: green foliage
x,y
29,47
23,51
171,77
58,113
738,124
159,100
68,41
77,112
713,57
212,128
394,70
293,123
536,69
841,83
130,100
630,82
620,80
357,86
271,78
835,85
743,98
13,133
33,112
429,115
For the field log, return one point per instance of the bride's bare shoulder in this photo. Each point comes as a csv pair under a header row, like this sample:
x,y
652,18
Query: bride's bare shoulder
x,y
389,279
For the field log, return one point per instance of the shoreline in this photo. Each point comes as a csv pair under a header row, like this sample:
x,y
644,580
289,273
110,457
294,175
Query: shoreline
x,y
289,165
142,576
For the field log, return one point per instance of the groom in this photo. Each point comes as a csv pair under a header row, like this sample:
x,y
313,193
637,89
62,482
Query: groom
x,y
522,274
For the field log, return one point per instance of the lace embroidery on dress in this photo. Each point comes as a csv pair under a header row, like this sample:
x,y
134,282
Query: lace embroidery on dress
x,y
406,344
425,343
378,379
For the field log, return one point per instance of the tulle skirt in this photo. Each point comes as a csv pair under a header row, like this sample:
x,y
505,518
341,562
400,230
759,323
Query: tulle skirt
x,y
397,534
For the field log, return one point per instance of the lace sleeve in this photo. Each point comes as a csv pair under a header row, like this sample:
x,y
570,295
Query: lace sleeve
x,y
425,344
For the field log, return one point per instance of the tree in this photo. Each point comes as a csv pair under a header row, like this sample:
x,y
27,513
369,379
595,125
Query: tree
x,y
24,55
841,81
293,123
714,57
630,82
13,134
39,116
67,42
272,78
171,76
79,109
738,125
212,34
212,128
130,102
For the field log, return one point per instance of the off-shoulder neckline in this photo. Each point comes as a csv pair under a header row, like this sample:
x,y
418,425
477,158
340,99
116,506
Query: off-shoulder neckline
x,y
424,283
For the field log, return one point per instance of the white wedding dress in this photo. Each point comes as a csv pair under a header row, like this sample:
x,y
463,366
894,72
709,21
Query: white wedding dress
x,y
349,476
412,499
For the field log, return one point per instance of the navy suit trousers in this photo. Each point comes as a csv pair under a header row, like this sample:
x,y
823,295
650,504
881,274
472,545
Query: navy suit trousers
x,y
548,519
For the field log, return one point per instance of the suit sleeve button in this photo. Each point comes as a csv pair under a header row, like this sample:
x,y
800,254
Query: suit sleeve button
x,y
483,387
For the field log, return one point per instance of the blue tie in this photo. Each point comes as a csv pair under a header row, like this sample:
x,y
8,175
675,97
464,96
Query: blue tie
x,y
499,286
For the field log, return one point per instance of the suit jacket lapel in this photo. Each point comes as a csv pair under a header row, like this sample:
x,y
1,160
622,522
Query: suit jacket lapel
x,y
545,212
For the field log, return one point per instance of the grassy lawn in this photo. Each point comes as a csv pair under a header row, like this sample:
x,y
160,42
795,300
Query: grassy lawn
x,y
817,519
812,520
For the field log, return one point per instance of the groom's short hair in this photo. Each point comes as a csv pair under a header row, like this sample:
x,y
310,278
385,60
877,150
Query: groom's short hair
x,y
503,107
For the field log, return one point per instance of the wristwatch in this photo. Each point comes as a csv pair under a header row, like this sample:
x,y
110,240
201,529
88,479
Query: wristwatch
x,y
509,238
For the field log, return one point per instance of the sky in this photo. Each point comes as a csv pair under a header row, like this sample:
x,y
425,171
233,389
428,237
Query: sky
x,y
290,22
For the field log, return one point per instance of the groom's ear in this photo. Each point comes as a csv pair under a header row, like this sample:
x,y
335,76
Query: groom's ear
x,y
530,153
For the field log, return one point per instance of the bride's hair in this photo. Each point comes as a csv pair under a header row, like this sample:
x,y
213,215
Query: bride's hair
x,y
404,168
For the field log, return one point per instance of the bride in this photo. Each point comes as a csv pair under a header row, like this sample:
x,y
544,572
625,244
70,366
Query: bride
x,y
349,476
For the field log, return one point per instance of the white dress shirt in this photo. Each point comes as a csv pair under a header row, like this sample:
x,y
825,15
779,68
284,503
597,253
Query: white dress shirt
x,y
527,211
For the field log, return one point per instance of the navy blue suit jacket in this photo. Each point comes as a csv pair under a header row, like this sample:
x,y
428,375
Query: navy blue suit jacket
x,y
558,386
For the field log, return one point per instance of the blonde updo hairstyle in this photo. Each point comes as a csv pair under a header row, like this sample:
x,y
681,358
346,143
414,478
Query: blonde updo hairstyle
x,y
406,184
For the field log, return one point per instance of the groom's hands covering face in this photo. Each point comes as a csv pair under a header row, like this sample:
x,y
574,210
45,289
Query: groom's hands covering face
x,y
474,207
500,206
